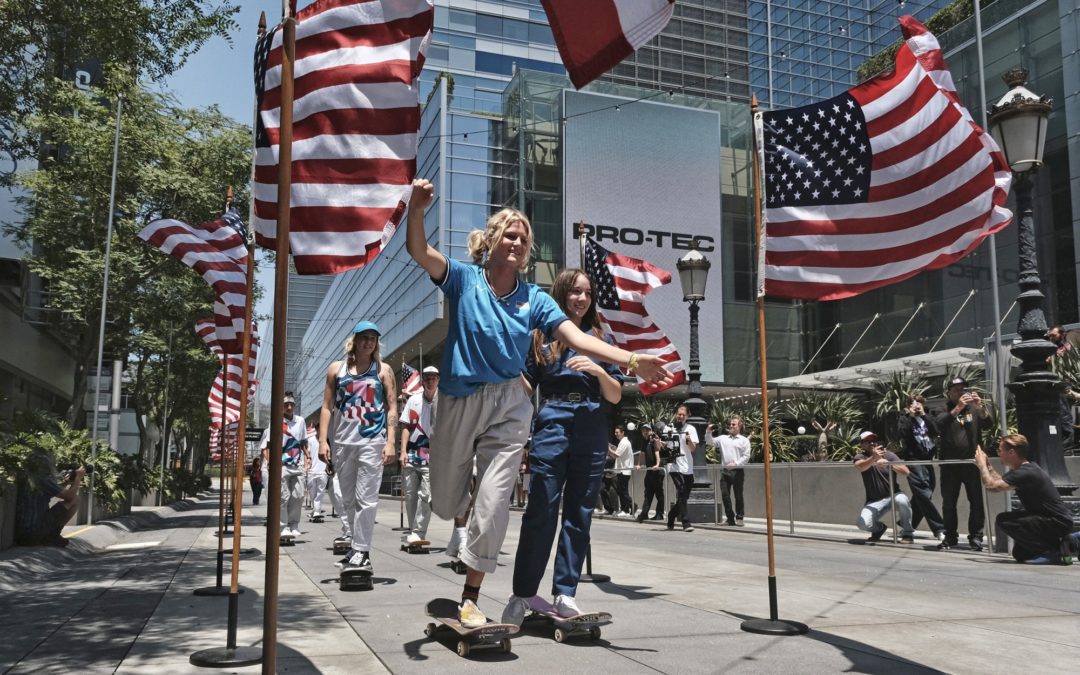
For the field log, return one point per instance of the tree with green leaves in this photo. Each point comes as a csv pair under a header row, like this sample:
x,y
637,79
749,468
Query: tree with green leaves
x,y
174,162
45,40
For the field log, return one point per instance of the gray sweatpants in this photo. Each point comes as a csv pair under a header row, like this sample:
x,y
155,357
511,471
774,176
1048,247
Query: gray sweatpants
x,y
292,495
418,498
492,425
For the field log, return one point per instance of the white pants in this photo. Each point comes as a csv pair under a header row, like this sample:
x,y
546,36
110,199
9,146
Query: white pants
x,y
359,470
292,494
489,426
417,499
316,488
336,501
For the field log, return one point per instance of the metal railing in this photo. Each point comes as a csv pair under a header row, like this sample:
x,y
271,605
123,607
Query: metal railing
x,y
712,473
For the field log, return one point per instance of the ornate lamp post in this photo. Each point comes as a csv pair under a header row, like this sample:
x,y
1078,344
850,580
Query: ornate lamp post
x,y
693,274
1018,123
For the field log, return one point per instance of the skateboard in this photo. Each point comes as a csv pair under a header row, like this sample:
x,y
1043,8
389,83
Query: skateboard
x,y
416,546
315,519
582,625
360,579
491,635
457,566
287,540
342,547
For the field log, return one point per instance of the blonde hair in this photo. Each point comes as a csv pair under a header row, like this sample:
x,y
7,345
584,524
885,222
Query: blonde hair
x,y
481,241
350,355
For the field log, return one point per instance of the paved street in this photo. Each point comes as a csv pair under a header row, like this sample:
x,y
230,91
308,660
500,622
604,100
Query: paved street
x,y
119,599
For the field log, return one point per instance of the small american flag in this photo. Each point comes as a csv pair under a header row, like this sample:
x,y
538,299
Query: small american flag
x,y
217,251
410,380
356,118
873,186
620,284
233,363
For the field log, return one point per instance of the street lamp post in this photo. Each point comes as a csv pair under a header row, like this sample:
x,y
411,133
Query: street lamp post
x,y
693,275
1018,123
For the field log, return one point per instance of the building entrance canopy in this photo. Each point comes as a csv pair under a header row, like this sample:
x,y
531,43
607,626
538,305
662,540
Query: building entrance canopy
x,y
931,364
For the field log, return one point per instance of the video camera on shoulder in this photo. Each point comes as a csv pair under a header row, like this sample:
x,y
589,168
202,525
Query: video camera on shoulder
x,y
670,449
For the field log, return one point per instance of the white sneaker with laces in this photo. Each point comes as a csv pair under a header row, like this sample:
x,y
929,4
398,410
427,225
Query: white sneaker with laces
x,y
566,606
515,610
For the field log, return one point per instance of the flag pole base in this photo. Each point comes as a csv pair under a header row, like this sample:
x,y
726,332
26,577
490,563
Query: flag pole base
x,y
224,657
774,627
214,591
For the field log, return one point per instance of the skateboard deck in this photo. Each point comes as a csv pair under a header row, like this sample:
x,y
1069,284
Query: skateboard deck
x,y
315,519
566,627
342,547
416,546
287,540
360,579
491,635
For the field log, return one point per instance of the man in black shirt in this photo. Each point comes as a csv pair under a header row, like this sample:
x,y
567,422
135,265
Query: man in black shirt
x,y
654,475
1040,530
917,437
960,425
873,463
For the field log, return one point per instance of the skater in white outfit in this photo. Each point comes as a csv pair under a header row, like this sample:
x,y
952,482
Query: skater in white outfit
x,y
316,475
293,460
360,410
415,452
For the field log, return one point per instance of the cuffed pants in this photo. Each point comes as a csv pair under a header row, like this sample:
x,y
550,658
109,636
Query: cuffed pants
x,y
872,513
292,495
489,425
922,481
418,499
953,476
359,471
569,447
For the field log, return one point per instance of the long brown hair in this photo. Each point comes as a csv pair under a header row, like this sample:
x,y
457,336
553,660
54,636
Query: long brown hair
x,y
560,290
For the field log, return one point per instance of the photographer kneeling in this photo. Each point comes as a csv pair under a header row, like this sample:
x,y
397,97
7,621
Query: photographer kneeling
x,y
873,462
36,524
1041,529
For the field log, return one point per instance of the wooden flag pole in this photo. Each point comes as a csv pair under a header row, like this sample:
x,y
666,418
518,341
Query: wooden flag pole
x,y
401,479
281,309
219,587
773,625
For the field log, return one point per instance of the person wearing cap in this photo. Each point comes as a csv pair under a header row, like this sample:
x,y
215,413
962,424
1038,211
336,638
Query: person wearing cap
x,y
881,489
293,458
360,406
961,425
654,475
415,453
917,441
483,410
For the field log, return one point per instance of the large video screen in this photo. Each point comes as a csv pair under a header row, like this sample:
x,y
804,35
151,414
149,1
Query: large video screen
x,y
645,178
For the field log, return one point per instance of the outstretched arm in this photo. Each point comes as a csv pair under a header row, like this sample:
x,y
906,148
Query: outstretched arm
x,y
433,262
649,367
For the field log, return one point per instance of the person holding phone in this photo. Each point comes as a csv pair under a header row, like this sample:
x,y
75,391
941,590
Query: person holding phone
x,y
918,435
682,469
961,424
882,489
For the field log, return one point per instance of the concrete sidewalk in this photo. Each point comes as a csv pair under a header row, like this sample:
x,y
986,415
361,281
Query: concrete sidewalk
x,y
119,599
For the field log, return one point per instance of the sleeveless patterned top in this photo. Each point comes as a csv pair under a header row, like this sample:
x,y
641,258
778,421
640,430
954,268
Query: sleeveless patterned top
x,y
360,406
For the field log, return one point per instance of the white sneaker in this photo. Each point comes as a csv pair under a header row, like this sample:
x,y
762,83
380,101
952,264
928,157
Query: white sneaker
x,y
515,610
624,514
294,532
287,533
413,538
566,606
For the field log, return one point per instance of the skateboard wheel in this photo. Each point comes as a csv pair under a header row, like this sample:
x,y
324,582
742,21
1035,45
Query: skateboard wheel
x,y
462,648
505,645
430,630
560,635
594,633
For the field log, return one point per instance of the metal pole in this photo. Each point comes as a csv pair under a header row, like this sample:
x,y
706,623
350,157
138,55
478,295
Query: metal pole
x,y
897,339
861,336
791,500
104,303
165,418
823,342
953,319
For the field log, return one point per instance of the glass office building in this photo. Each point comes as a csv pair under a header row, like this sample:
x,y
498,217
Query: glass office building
x,y
803,51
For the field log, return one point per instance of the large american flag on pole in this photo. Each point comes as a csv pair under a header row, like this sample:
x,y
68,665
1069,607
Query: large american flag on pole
x,y
873,186
217,251
356,116
620,284
219,404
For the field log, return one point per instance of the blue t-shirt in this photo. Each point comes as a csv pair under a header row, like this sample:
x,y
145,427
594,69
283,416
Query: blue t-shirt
x,y
489,337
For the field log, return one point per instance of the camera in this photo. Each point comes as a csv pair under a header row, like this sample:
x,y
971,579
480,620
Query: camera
x,y
670,449
67,473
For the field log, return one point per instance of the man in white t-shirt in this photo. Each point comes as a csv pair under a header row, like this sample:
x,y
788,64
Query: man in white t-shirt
x,y
316,475
293,450
624,462
682,469
415,454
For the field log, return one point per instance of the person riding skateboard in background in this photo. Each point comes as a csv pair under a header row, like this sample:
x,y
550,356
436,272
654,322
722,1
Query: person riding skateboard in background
x,y
293,454
415,453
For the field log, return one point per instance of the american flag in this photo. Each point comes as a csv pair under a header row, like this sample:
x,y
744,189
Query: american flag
x,y
217,251
620,284
233,362
410,380
356,118
871,187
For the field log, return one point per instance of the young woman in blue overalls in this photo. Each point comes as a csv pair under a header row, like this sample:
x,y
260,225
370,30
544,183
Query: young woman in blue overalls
x,y
569,447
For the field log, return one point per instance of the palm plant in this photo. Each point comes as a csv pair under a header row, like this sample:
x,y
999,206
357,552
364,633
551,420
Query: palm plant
x,y
827,414
749,409
651,409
